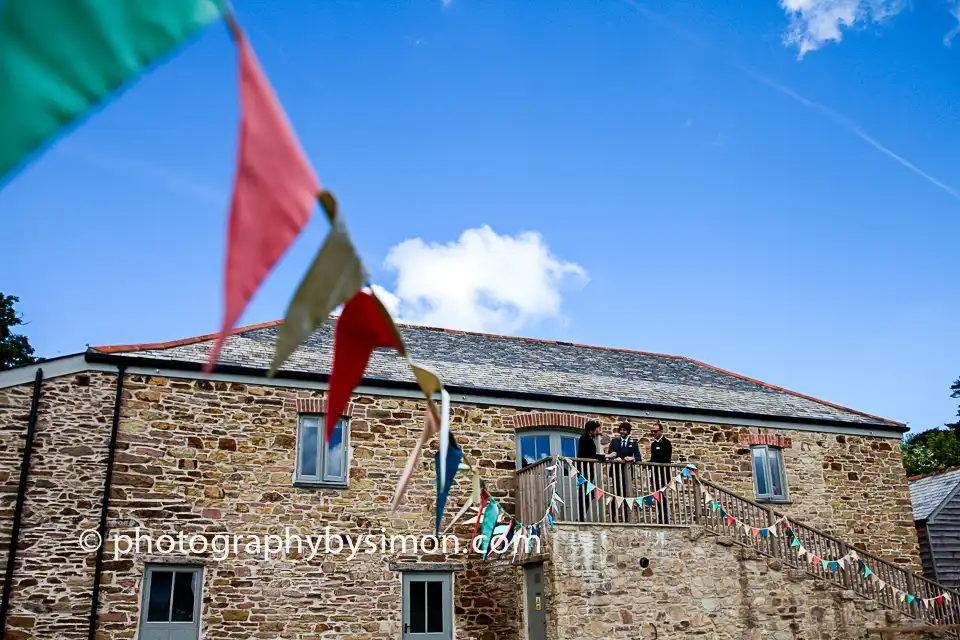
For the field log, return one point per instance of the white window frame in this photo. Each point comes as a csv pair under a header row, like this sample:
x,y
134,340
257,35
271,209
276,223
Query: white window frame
x,y
769,496
555,434
146,587
320,479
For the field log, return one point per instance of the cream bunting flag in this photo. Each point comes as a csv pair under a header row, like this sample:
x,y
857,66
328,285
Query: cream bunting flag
x,y
335,275
472,499
428,382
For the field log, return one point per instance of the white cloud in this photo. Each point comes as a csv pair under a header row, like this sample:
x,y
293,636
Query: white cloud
x,y
814,23
955,12
389,300
481,282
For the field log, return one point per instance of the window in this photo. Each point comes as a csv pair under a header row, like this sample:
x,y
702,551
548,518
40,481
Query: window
x,y
427,606
170,608
769,478
540,444
316,463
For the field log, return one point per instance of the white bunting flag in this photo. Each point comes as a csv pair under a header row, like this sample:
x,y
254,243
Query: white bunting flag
x,y
619,502
773,530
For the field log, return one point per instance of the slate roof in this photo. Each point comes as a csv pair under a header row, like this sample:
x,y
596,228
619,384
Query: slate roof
x,y
927,492
490,363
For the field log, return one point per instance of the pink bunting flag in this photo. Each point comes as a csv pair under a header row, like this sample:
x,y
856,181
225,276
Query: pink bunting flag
x,y
599,492
274,192
429,429
361,328
755,532
656,496
730,520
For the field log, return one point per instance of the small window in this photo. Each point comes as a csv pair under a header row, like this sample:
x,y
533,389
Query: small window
x,y
317,464
543,443
171,602
769,478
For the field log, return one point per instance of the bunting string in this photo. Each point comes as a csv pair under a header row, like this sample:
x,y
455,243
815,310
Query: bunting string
x,y
649,499
851,559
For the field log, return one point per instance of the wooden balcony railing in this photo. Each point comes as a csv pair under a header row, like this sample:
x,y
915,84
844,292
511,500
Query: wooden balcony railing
x,y
691,503
621,481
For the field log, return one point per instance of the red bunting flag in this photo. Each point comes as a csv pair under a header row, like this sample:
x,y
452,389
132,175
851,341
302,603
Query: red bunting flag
x,y
274,191
656,496
730,520
361,328
939,600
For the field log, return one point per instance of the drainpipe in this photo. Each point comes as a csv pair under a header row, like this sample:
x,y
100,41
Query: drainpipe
x,y
105,507
21,498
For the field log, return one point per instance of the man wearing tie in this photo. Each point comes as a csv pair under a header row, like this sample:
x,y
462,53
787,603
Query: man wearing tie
x,y
624,449
661,451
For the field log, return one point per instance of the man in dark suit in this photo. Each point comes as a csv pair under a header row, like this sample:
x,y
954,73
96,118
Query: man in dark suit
x,y
661,452
587,450
624,449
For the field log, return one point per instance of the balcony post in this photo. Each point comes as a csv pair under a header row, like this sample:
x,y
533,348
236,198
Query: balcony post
x,y
698,512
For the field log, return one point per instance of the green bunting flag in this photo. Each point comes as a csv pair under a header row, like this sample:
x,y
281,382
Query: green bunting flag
x,y
910,598
59,59
490,516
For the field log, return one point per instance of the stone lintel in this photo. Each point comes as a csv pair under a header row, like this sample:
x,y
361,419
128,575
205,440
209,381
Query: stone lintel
x,y
426,566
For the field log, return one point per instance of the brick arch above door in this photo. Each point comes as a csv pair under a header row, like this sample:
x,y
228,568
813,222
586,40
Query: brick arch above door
x,y
545,419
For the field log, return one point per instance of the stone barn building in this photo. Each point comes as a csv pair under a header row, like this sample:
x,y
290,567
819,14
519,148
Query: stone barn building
x,y
237,452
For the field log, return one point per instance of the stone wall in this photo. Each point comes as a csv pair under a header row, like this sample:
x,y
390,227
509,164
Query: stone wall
x,y
217,457
692,587
52,581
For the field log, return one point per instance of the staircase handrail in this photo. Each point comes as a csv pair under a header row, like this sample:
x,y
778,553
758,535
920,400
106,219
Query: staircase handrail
x,y
879,584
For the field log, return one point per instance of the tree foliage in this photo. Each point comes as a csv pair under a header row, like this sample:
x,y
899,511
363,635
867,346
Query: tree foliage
x,y
956,394
15,349
934,449
931,450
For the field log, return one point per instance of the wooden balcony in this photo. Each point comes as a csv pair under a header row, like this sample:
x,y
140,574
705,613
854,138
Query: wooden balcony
x,y
623,481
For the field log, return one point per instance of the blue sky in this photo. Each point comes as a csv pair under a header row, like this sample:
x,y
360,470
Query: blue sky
x,y
686,184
